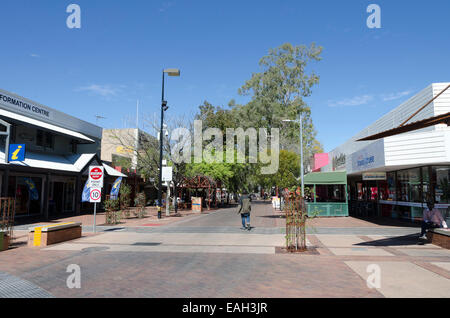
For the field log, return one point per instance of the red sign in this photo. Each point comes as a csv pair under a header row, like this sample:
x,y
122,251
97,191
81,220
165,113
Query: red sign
x,y
96,173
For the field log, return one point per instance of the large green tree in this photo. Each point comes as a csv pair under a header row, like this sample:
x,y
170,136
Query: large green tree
x,y
277,92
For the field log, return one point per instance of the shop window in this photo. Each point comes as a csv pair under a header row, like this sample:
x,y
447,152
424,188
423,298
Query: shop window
x,y
426,184
330,193
28,195
44,139
440,179
387,188
409,185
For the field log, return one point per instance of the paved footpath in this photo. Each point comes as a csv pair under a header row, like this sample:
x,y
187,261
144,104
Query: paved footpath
x,y
209,256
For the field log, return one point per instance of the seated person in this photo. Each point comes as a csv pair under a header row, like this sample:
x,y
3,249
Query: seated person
x,y
432,218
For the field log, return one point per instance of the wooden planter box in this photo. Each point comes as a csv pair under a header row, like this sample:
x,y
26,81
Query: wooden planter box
x,y
439,237
51,234
5,240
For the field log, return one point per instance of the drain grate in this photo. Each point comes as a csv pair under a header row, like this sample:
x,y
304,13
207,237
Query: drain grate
x,y
15,287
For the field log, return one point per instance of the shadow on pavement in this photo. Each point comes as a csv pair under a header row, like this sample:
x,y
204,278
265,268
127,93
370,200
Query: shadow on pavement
x,y
411,239
272,216
386,221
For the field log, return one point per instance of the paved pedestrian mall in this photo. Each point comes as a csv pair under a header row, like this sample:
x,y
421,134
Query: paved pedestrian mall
x,y
210,256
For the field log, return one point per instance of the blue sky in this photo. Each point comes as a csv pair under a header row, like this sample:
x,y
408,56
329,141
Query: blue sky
x,y
118,54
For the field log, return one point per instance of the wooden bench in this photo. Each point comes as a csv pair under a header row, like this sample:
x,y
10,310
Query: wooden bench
x,y
440,237
53,233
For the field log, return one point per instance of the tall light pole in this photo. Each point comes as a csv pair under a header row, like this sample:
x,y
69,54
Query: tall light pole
x,y
164,107
300,121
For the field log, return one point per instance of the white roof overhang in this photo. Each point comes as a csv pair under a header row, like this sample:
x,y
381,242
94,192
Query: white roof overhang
x,y
44,125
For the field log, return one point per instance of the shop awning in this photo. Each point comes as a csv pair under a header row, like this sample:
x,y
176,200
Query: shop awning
x,y
73,163
113,172
41,124
441,119
339,177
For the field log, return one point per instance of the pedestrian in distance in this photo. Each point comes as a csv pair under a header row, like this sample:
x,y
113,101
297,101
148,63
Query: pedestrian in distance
x,y
432,218
245,208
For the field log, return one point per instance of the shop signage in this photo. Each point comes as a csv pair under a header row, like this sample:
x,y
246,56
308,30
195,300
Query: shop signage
x,y
167,174
95,195
16,152
23,106
96,174
368,176
339,162
369,158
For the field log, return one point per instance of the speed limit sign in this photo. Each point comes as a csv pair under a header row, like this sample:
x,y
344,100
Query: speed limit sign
x,y
95,195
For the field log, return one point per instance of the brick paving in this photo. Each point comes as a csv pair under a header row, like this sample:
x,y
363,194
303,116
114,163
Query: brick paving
x,y
139,261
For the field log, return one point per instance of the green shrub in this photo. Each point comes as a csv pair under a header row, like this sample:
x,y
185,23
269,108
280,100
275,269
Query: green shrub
x,y
125,199
113,216
139,202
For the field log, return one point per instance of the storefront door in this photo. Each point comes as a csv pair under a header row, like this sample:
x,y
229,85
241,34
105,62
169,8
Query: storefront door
x,y
62,196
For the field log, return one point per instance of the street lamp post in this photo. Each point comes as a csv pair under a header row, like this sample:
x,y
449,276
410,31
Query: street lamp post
x,y
300,121
164,107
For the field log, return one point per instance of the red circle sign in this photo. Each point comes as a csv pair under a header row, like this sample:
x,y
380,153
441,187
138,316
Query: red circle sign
x,y
96,173
95,195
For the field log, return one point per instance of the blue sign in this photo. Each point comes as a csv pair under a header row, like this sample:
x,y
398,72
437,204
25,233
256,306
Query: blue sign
x,y
115,188
16,152
85,196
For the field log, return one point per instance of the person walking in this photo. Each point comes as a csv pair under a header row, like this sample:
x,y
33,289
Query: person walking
x,y
245,208
432,218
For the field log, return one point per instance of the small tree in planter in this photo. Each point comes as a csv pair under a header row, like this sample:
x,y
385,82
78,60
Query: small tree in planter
x,y
139,202
6,222
125,199
112,212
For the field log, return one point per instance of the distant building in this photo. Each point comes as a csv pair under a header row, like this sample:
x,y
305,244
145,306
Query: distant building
x,y
120,148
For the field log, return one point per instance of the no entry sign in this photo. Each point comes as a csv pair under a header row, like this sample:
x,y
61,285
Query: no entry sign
x,y
95,195
96,175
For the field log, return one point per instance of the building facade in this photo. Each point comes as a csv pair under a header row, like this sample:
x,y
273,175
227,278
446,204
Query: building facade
x,y
120,148
395,176
53,152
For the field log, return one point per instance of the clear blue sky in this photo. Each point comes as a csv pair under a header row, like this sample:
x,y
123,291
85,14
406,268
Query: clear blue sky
x,y
118,54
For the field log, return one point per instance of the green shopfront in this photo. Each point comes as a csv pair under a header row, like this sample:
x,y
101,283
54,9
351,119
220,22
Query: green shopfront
x,y
326,194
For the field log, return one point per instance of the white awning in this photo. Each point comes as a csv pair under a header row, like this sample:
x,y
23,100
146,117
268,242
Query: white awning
x,y
44,125
113,172
73,163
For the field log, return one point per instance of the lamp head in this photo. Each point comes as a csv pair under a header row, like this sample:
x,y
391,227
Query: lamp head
x,y
172,71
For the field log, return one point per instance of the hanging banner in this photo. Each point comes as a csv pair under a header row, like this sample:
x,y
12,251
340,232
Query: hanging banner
x,y
34,194
85,196
167,173
115,189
